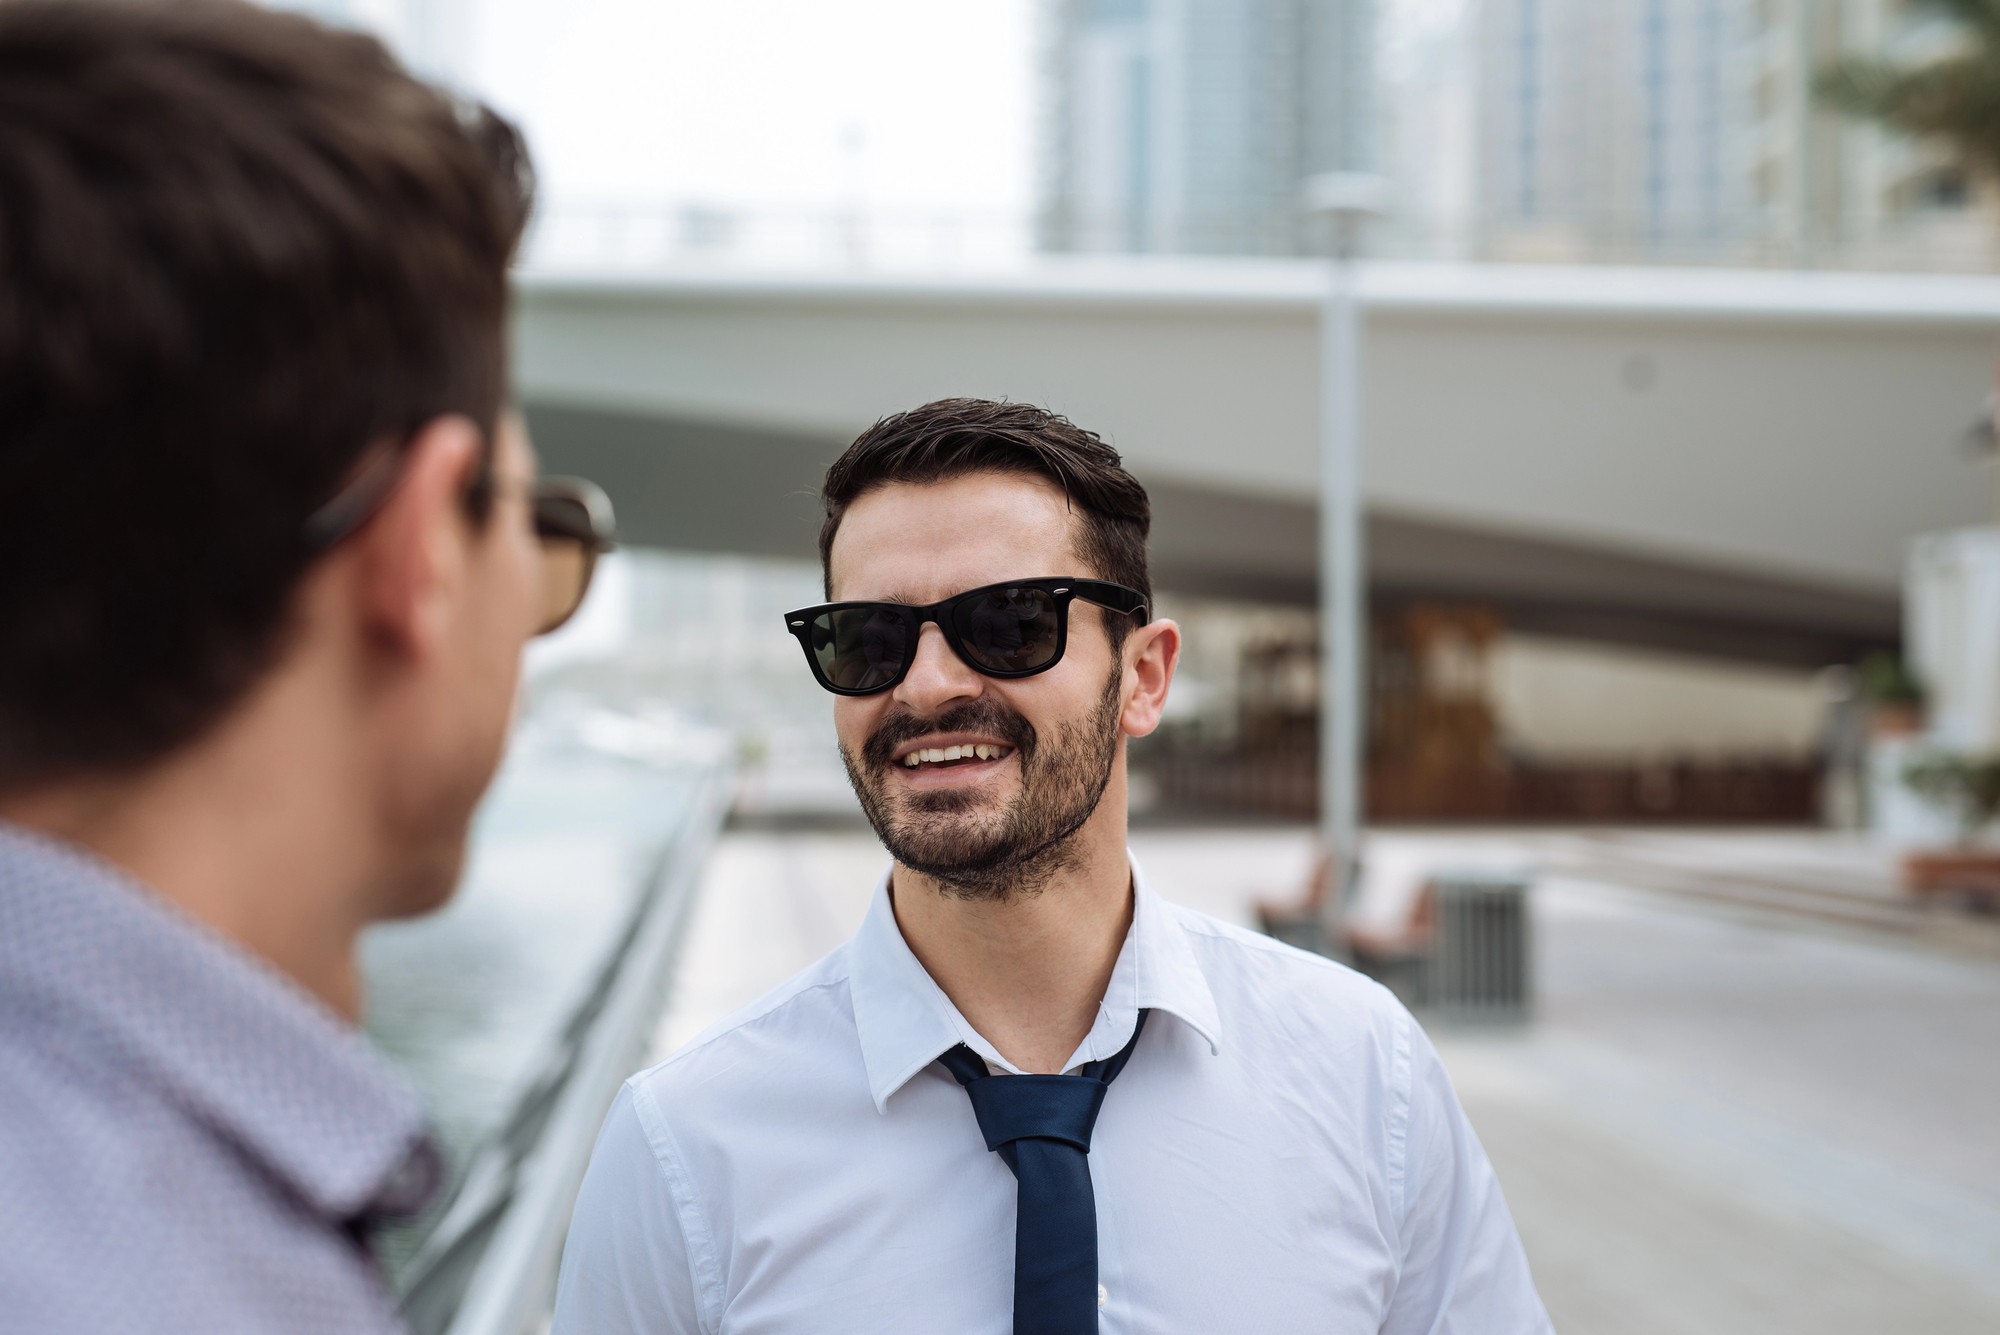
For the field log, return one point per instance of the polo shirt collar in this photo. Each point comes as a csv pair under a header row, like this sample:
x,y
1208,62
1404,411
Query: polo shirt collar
x,y
906,1021
103,961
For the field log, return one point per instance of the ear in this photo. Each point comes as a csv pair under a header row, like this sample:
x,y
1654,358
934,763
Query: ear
x,y
1151,654
412,555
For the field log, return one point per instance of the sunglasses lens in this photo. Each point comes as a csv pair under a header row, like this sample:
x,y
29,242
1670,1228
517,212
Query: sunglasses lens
x,y
567,564
860,648
1007,630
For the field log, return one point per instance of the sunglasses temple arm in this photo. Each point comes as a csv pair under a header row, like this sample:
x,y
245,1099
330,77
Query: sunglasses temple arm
x,y
1136,608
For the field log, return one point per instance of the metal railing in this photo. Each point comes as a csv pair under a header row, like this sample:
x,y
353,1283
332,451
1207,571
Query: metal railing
x,y
638,236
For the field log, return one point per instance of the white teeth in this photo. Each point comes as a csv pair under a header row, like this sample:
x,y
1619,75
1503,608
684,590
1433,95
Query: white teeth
x,y
938,755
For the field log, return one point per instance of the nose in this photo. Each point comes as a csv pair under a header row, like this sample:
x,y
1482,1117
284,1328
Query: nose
x,y
937,676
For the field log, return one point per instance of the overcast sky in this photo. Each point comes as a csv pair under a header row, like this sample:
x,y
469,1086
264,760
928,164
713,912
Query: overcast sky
x,y
905,102
925,103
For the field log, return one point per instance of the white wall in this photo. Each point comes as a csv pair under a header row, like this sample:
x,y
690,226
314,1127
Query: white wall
x,y
1568,700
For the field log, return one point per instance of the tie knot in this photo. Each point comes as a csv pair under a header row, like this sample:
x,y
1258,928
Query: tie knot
x,y
1043,1107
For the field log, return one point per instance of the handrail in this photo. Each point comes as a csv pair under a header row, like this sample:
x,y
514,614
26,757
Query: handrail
x,y
489,1266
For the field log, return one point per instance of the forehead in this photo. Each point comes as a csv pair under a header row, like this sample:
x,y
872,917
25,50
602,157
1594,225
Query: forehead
x,y
912,543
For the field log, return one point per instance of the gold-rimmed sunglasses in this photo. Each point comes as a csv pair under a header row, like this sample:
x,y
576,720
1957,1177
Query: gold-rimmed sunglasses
x,y
574,524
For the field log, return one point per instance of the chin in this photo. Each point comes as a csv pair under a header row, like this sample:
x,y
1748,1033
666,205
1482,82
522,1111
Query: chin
x,y
431,831
425,882
949,829
947,802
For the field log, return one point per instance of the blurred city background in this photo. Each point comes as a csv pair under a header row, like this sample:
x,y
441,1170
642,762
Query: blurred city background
x,y
1681,524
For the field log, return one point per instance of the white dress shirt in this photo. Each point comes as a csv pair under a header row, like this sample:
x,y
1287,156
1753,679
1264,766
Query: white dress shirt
x,y
1283,1152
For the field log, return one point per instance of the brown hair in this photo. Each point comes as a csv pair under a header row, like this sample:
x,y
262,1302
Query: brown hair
x,y
953,437
237,248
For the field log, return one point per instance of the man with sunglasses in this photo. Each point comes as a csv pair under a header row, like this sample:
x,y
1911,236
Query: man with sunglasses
x,y
269,550
1030,1095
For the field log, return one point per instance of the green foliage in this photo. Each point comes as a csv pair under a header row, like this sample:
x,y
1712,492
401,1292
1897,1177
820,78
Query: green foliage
x,y
1885,680
1966,786
1954,100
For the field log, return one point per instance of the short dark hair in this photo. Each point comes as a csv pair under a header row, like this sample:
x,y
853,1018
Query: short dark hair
x,y
237,249
953,437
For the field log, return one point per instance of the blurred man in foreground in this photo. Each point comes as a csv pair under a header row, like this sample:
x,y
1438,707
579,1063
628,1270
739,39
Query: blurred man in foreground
x,y
1030,1094
268,555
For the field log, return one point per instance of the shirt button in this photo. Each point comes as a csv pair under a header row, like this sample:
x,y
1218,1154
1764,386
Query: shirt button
x,y
1103,1295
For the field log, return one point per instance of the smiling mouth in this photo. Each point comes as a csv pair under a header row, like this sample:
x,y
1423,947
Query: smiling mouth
x,y
948,757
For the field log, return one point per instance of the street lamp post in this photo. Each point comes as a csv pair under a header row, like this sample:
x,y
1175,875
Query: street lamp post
x,y
1349,199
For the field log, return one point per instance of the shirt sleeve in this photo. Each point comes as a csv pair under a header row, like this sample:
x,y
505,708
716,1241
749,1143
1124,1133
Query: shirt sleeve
x,y
627,1268
1463,1269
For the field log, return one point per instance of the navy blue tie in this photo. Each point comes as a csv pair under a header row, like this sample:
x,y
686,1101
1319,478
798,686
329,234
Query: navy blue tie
x,y
1040,1124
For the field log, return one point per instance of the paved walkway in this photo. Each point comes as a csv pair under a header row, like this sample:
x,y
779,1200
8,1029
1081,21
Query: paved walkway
x,y
1725,1117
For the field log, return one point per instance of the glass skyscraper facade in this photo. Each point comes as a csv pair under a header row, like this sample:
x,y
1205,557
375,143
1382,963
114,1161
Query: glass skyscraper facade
x,y
1188,125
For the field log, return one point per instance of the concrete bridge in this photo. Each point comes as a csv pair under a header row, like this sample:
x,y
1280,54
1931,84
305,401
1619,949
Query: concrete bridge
x,y
1721,462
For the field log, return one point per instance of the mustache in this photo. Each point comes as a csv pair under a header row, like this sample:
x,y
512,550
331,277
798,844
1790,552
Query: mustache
x,y
984,715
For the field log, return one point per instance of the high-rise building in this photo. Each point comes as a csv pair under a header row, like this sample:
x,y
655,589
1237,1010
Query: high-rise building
x,y
1188,125
1686,131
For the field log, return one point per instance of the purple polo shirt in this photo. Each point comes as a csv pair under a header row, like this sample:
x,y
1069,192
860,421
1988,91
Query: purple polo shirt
x,y
189,1142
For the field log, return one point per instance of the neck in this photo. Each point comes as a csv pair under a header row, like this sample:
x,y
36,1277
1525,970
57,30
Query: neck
x,y
1029,971
252,830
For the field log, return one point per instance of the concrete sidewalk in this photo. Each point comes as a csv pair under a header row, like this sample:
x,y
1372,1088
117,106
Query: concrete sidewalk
x,y
1722,1119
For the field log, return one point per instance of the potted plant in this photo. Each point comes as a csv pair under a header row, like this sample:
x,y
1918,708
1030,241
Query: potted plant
x,y
1895,699
1968,787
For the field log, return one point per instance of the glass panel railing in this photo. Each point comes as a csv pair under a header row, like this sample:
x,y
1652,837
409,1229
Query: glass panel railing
x,y
519,1007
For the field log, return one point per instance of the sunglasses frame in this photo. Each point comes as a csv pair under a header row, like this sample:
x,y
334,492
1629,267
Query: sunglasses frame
x,y
1061,589
549,502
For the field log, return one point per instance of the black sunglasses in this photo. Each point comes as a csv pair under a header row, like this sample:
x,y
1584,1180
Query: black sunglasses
x,y
1008,630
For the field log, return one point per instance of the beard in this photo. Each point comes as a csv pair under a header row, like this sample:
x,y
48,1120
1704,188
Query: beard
x,y
958,838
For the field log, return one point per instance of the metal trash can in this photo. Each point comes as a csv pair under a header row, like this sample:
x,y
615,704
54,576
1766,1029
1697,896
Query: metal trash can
x,y
1481,956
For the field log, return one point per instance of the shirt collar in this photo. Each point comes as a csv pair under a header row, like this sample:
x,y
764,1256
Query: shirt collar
x,y
109,966
906,1021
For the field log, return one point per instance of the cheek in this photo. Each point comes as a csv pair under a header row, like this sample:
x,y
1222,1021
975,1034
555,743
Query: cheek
x,y
855,717
523,597
1077,684
510,605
